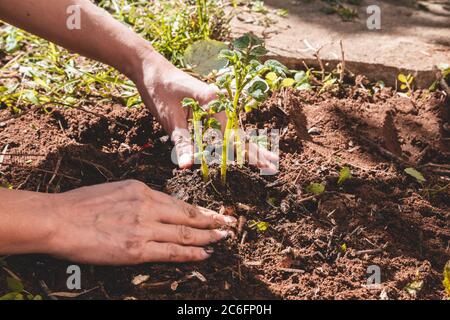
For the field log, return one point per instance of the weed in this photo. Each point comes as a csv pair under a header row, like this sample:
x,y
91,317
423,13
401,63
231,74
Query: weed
x,y
316,188
344,175
18,291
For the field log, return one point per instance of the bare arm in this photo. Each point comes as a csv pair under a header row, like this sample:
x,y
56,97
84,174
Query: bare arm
x,y
25,225
100,36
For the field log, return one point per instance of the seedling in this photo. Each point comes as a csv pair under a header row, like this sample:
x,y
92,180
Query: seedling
x,y
344,175
260,226
406,83
316,188
199,117
246,83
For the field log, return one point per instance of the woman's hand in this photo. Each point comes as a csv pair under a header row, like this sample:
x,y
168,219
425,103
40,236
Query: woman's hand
x,y
126,223
162,87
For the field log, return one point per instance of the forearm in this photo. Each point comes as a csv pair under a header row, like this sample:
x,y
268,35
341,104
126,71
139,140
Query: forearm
x,y
99,37
26,222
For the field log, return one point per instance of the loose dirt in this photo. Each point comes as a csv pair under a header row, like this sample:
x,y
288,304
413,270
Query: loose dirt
x,y
315,248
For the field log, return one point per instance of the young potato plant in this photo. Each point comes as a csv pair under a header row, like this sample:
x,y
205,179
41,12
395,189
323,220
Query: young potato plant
x,y
244,81
202,121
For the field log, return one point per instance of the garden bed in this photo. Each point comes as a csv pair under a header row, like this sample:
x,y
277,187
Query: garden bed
x,y
316,247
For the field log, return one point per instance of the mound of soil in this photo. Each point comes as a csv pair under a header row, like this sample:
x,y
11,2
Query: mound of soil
x,y
316,247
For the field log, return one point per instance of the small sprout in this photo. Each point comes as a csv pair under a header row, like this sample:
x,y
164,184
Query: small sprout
x,y
344,175
282,13
344,247
414,287
406,82
415,174
446,281
316,188
287,83
260,226
259,6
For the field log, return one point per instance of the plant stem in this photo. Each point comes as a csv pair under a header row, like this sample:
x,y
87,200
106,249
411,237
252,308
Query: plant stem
x,y
223,168
199,142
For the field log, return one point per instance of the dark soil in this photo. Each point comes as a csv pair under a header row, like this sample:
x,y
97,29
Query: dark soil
x,y
383,216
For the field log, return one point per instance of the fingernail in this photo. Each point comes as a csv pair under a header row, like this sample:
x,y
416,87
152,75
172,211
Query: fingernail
x,y
224,234
185,159
209,251
230,220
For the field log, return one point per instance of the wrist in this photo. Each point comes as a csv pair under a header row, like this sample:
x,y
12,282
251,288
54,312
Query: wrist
x,y
28,222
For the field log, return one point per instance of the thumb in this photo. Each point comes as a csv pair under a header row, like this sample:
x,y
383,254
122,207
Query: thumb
x,y
183,153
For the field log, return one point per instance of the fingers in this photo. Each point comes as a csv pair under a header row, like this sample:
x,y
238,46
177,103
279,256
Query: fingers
x,y
184,149
181,213
187,236
263,159
170,252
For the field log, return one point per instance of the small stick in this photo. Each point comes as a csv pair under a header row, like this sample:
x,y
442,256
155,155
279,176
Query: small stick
x,y
244,237
292,270
342,71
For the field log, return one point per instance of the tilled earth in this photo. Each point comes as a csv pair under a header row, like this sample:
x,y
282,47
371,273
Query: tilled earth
x,y
321,247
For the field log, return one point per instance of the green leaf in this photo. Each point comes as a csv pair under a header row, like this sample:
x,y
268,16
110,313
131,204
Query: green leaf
x,y
258,89
414,287
304,86
277,67
14,284
316,188
243,42
446,281
288,82
10,296
213,124
344,175
205,56
402,78
189,102
272,76
261,226
259,51
415,174
300,76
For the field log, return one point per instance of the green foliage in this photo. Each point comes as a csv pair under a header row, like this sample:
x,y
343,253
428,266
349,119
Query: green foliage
x,y
414,287
45,74
415,174
202,56
446,281
260,226
316,188
18,291
406,82
339,7
344,175
199,115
